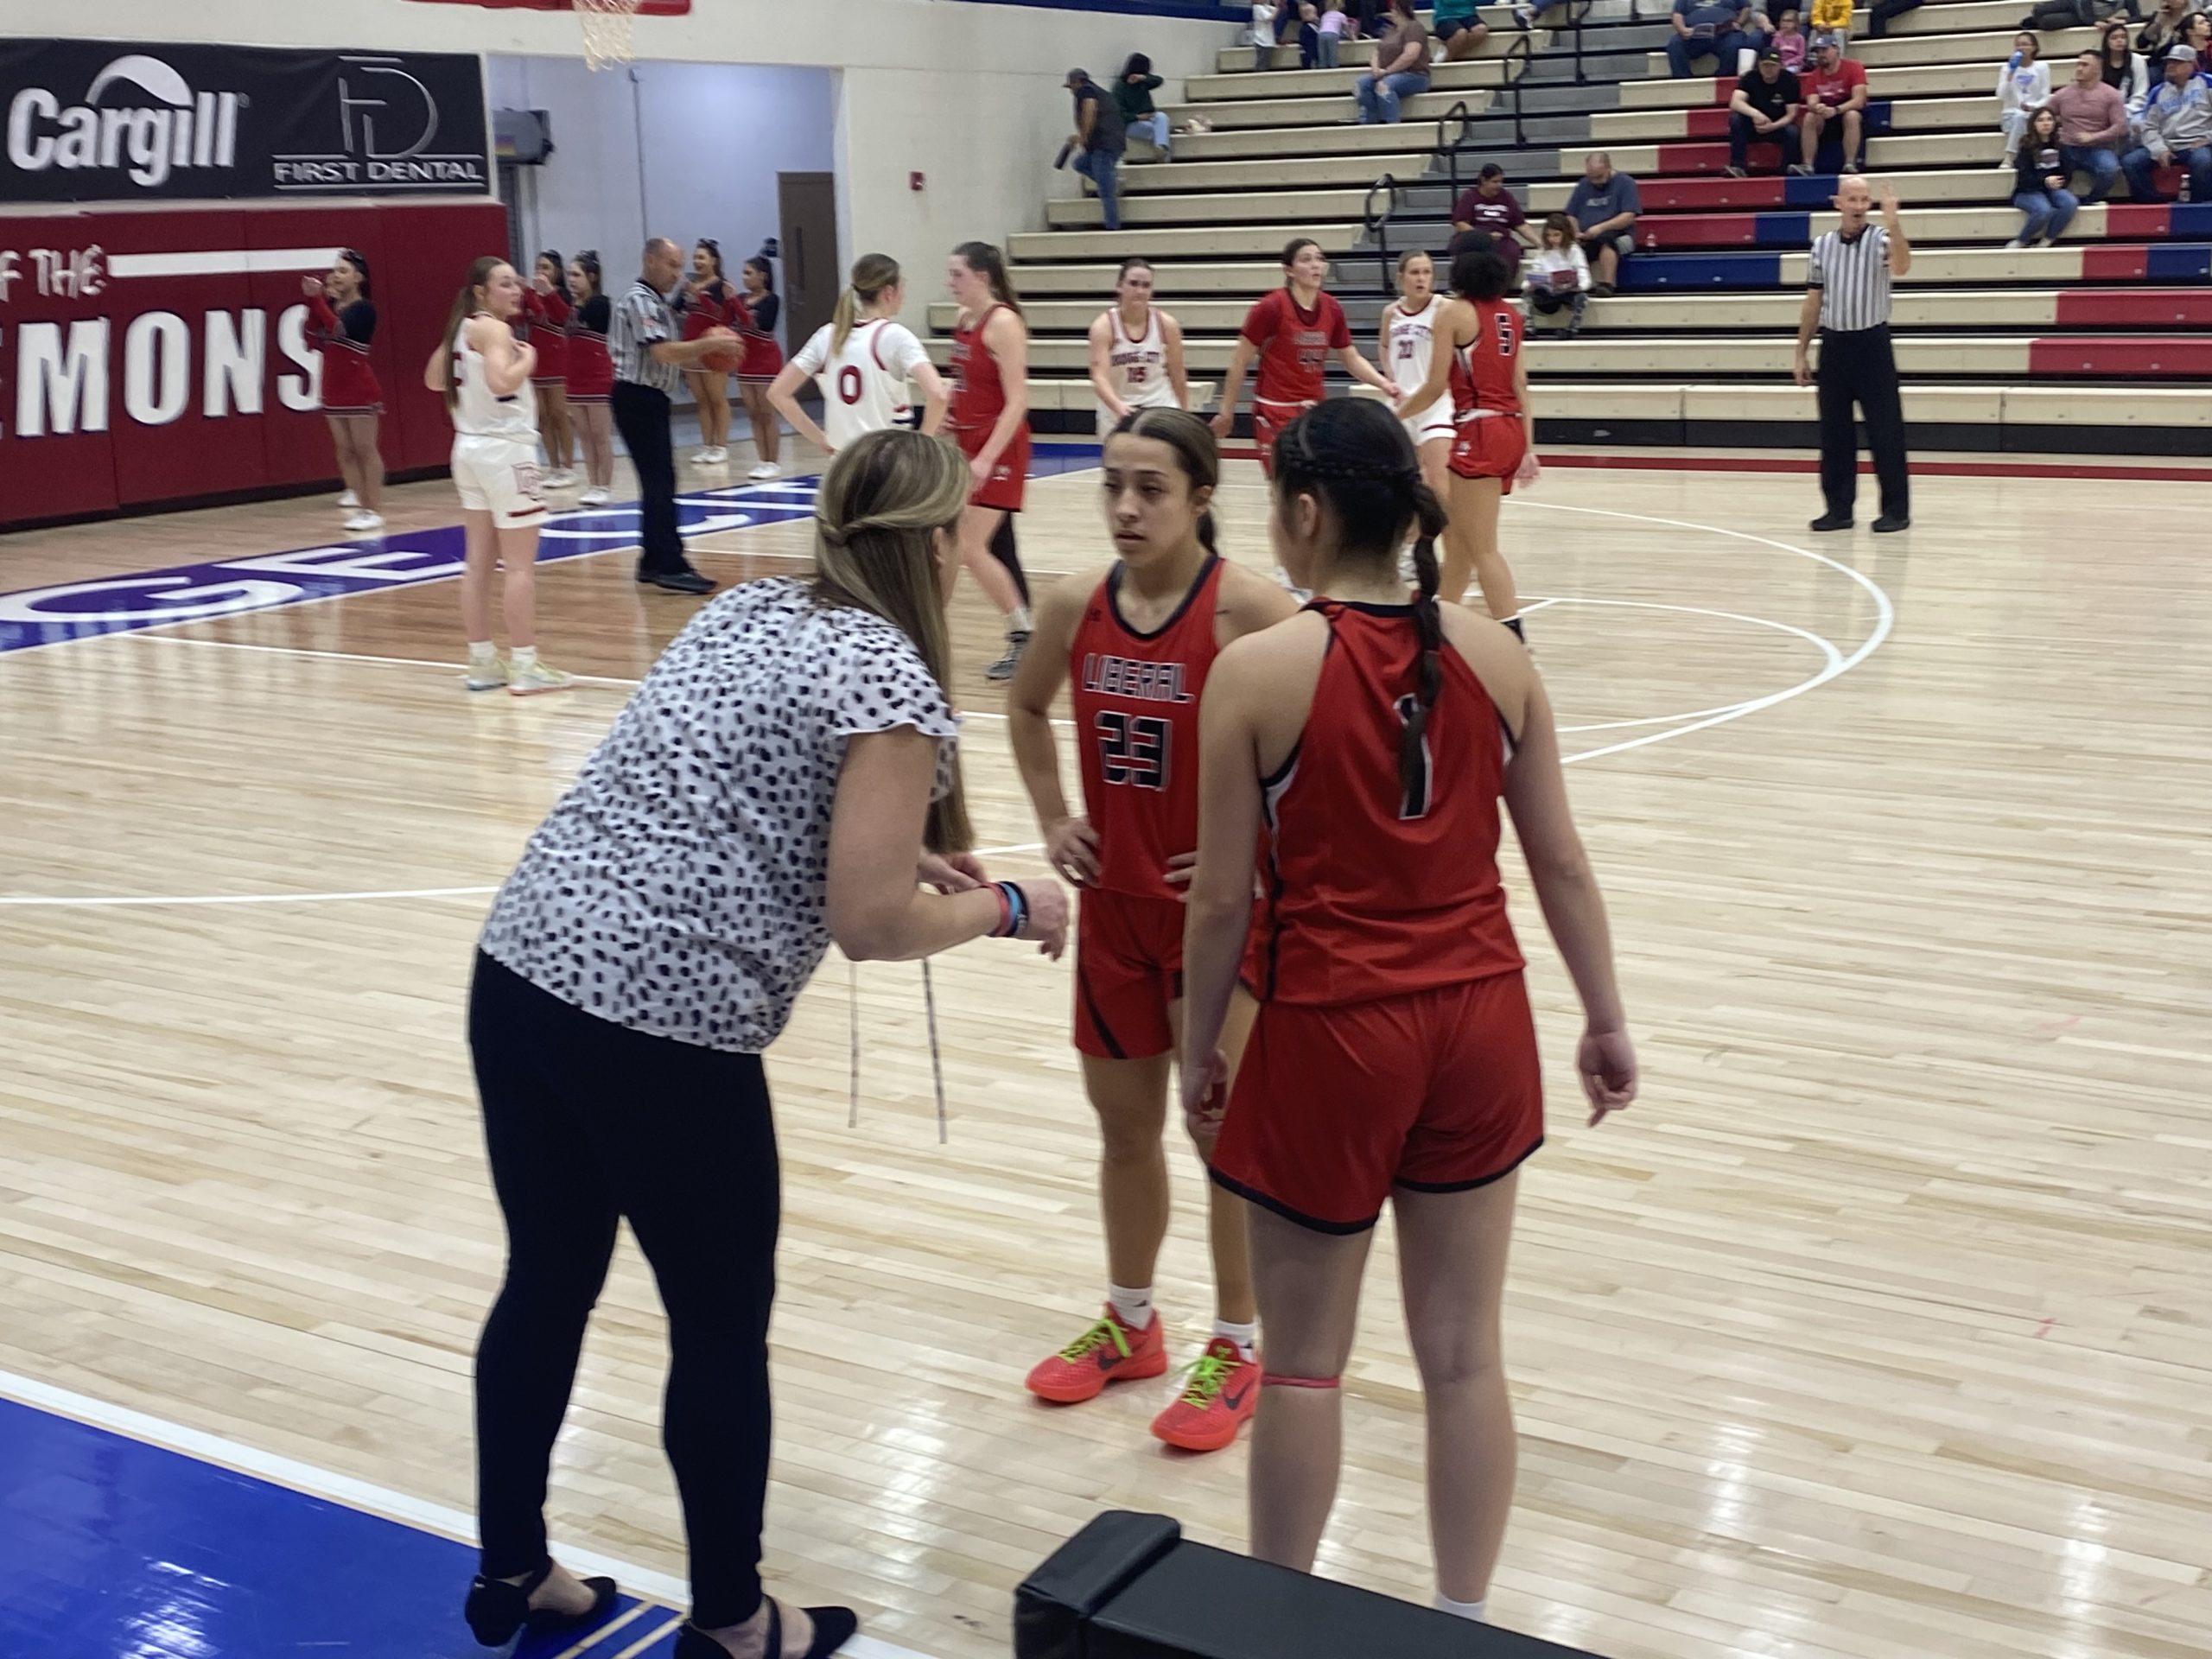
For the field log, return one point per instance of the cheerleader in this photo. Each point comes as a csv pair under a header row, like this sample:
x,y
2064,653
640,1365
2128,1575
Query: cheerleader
x,y
1136,352
1405,342
480,368
547,309
863,358
764,359
341,322
710,304
591,377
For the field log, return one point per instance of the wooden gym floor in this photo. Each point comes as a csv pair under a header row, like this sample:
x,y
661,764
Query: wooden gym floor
x,y
1882,1325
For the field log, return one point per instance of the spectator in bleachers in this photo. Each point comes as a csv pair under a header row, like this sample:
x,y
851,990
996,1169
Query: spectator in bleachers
x,y
1328,34
1789,39
1487,205
2023,87
2163,30
1101,138
1835,91
2196,32
1604,207
2092,123
1878,23
1459,31
1558,276
1261,34
1133,97
2074,14
2039,182
2125,72
1831,17
2176,128
1400,69
1763,106
1708,28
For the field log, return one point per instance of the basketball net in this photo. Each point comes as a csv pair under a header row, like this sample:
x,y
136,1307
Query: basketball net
x,y
606,31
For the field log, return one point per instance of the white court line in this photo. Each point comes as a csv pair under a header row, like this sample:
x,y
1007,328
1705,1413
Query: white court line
x,y
417,1512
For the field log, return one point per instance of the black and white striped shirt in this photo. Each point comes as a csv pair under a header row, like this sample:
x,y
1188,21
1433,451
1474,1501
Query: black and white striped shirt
x,y
643,318
1854,277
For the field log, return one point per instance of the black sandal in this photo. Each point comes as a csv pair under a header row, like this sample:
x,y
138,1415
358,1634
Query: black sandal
x,y
833,1628
496,1610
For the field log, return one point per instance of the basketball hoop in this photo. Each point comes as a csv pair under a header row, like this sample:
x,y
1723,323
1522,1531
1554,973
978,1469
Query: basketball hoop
x,y
606,31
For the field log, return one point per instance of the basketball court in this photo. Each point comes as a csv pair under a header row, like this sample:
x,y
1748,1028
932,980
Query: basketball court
x,y
1879,1326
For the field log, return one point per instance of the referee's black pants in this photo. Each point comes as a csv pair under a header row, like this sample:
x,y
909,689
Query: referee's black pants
x,y
641,415
1858,367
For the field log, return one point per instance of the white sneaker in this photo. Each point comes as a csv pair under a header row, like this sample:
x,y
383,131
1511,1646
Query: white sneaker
x,y
2016,243
594,497
562,479
349,500
1525,15
767,469
540,676
363,521
486,677
717,456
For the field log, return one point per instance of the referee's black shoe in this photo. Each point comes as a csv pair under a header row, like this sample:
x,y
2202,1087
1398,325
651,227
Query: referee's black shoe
x,y
1832,521
1890,521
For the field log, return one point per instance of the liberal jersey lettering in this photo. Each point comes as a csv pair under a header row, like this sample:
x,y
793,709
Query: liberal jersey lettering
x,y
1372,891
978,393
1294,345
1136,714
1482,374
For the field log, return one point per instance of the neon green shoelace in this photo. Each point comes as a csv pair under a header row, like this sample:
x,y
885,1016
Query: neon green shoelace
x,y
1208,1375
1089,1343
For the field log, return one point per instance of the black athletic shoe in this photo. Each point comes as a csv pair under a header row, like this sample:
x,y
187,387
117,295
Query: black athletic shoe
x,y
677,581
1890,521
1017,641
1832,521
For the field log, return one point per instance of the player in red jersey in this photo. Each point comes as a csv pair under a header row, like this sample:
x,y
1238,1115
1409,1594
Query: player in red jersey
x,y
1292,332
1480,362
591,376
758,310
548,307
710,303
342,323
1394,1057
990,422
1137,639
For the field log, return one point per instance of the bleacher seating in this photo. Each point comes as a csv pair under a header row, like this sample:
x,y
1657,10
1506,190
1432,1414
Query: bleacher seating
x,y
2000,347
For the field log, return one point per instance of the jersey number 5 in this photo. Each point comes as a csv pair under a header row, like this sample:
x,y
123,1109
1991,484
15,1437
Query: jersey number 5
x,y
1134,749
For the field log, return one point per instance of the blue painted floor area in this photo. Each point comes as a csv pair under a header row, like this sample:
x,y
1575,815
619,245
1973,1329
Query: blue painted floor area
x,y
110,1548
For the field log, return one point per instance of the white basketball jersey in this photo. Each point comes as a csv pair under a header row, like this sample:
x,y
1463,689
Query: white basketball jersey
x,y
864,385
479,412
1412,334
1137,369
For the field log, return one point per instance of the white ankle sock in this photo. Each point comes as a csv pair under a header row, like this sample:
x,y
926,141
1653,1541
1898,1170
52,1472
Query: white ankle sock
x,y
1471,1610
522,655
483,651
1246,1337
1018,620
1135,1307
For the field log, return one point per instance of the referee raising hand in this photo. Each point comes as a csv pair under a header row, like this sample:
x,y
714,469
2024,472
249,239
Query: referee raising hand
x,y
1847,299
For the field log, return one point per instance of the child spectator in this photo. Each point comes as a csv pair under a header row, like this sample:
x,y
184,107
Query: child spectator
x,y
1261,34
1558,276
1789,39
2039,181
1329,34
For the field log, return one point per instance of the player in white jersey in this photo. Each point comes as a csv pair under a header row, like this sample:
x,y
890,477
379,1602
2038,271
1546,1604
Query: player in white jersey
x,y
864,360
1406,326
1136,352
483,373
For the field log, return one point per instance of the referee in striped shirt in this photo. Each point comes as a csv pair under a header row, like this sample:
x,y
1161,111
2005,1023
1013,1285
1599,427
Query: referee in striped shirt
x,y
650,357
1848,301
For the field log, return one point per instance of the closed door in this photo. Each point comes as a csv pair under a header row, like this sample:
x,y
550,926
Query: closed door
x,y
811,279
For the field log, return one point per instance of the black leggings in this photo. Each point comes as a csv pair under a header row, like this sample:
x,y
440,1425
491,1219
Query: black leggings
x,y
1004,550
588,1123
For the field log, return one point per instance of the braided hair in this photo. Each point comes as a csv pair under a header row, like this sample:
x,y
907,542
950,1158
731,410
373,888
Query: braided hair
x,y
1352,456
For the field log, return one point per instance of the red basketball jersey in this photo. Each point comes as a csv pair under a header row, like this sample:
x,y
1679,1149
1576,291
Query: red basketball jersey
x,y
1482,374
1137,716
1294,345
1374,890
978,393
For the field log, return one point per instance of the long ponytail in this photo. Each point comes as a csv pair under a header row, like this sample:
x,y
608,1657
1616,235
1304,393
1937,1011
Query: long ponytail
x,y
985,259
464,307
1354,455
873,274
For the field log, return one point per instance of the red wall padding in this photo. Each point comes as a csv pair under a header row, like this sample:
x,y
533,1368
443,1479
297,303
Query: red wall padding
x,y
417,254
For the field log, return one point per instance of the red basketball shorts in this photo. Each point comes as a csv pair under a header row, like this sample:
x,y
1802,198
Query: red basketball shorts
x,y
1003,489
1491,446
1128,967
1269,420
1435,1091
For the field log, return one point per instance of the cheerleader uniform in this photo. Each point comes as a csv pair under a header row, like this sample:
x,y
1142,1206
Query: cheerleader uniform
x,y
712,307
764,359
349,379
545,328
591,367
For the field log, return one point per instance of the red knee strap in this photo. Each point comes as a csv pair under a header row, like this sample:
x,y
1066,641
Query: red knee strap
x,y
1277,1380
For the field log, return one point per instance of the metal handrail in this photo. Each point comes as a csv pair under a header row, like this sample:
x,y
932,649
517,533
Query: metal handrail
x,y
1378,225
1446,153
1524,49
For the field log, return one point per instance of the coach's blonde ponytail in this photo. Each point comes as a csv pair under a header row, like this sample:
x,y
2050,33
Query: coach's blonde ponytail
x,y
874,275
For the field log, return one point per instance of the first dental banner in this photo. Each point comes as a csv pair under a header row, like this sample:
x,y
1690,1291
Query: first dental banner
x,y
109,121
